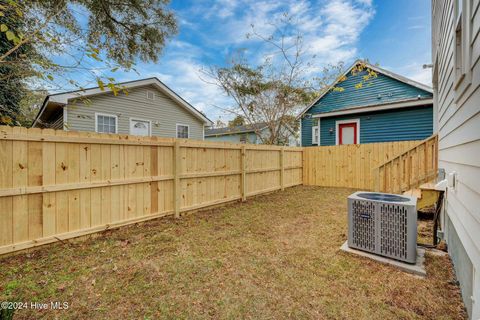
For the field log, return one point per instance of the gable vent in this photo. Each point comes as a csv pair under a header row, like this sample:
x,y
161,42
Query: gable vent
x,y
150,95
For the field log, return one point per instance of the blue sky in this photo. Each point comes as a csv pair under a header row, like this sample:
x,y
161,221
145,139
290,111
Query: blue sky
x,y
395,34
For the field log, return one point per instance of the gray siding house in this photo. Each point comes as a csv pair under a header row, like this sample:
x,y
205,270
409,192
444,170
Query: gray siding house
x,y
149,108
456,94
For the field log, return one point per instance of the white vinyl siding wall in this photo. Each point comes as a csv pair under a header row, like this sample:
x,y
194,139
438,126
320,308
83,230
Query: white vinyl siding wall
x,y
458,111
162,111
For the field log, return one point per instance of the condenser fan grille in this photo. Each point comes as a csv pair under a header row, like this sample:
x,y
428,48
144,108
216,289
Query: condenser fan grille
x,y
393,231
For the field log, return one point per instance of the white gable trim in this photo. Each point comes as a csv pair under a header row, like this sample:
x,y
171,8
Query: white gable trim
x,y
354,110
63,98
374,68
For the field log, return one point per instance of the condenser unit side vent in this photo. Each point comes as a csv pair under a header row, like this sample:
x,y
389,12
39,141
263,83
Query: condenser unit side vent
x,y
364,219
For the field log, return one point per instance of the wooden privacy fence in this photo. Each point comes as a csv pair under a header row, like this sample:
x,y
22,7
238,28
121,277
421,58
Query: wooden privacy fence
x,y
409,169
349,166
57,185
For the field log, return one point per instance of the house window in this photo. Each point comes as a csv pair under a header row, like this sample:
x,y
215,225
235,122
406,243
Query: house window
x,y
105,123
243,138
459,42
315,135
347,132
182,131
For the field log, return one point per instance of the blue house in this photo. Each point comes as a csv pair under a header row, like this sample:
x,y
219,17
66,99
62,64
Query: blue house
x,y
368,104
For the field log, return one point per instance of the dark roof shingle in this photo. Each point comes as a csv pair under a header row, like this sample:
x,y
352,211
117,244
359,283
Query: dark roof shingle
x,y
236,129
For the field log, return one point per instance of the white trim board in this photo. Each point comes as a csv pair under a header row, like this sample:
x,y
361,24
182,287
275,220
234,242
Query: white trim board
x,y
65,118
301,133
374,68
339,122
355,110
317,126
319,133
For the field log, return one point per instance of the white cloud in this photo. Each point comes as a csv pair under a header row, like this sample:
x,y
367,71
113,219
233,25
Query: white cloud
x,y
224,8
423,76
414,71
331,31
416,27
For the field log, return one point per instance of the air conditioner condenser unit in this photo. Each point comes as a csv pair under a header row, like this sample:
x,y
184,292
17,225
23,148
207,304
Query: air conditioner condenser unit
x,y
384,224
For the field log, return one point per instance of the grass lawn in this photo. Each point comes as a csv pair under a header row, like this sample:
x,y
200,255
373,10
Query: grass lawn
x,y
275,256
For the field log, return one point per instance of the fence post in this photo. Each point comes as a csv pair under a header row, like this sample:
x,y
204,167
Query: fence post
x,y
282,169
177,195
243,164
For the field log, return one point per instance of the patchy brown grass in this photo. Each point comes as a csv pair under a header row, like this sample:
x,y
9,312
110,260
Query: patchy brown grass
x,y
276,256
425,231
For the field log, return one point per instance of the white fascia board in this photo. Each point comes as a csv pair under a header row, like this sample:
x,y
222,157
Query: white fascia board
x,y
399,105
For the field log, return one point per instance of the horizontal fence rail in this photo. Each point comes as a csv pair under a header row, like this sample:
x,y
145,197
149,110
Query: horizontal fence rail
x,y
410,169
56,185
349,166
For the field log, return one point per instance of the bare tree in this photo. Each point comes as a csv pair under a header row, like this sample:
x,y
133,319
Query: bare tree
x,y
273,91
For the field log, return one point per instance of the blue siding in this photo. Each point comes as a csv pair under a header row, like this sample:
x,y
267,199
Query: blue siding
x,y
393,125
380,90
306,133
413,123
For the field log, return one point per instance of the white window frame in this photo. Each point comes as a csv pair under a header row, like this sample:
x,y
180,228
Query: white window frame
x,y
337,132
176,130
301,132
460,59
316,137
139,119
106,115
153,95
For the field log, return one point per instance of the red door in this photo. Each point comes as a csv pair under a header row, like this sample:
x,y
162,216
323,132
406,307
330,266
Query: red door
x,y
347,133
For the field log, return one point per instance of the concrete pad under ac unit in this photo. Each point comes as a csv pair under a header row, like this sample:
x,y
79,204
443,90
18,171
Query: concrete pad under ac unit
x,y
417,269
